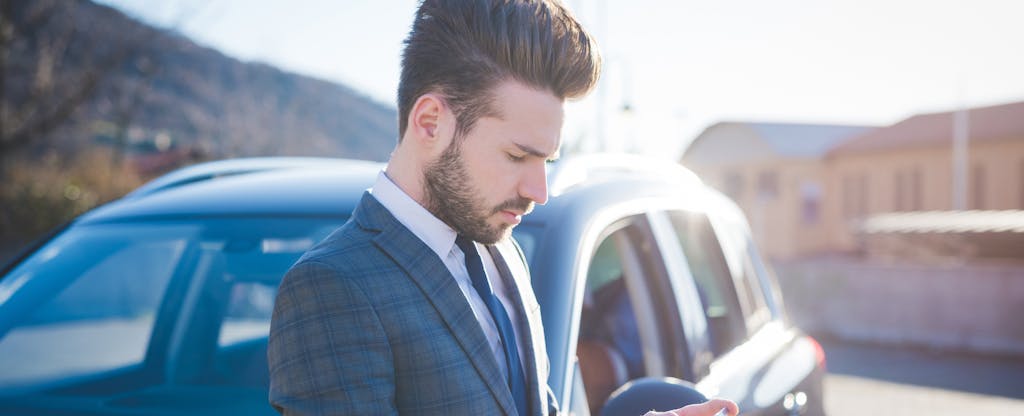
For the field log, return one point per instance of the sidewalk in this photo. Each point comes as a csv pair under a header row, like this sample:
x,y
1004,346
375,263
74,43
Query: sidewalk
x,y
866,379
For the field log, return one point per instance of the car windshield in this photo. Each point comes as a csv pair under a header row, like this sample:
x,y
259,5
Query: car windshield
x,y
170,301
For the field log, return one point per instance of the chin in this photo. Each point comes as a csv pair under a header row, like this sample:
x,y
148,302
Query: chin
x,y
500,233
506,233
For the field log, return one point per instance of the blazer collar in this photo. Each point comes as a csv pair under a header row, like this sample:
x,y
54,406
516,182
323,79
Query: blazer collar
x,y
426,269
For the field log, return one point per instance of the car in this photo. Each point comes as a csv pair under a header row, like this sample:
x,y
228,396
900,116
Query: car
x,y
160,302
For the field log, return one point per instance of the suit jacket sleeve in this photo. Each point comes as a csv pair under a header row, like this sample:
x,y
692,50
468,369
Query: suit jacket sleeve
x,y
327,352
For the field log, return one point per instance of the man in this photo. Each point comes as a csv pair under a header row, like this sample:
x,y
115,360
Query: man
x,y
421,303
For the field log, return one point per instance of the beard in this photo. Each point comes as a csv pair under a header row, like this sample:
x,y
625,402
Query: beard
x,y
451,198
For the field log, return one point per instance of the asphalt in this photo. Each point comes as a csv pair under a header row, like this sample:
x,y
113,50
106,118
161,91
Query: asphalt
x,y
878,379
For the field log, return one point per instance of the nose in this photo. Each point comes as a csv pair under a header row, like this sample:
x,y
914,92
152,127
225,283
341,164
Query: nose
x,y
534,184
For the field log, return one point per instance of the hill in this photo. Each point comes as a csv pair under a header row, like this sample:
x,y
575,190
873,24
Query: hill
x,y
144,90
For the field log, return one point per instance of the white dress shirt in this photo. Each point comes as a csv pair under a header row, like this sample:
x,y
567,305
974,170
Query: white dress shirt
x,y
441,239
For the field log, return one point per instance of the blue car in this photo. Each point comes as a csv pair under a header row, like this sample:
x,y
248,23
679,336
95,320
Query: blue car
x,y
159,303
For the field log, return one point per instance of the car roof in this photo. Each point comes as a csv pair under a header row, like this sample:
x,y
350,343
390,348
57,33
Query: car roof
x,y
264,186
332,187
581,185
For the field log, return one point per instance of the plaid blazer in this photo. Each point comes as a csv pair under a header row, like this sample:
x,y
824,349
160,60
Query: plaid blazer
x,y
371,322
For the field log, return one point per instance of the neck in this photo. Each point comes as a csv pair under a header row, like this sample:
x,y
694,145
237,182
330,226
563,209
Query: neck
x,y
406,172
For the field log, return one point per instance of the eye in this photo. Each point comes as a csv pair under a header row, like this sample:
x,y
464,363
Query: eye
x,y
515,158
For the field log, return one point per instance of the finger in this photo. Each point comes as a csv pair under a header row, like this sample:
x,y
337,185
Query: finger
x,y
708,408
719,404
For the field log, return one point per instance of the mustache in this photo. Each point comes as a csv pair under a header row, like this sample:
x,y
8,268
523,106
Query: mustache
x,y
515,204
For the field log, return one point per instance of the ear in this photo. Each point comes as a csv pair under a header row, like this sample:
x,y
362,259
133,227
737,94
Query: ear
x,y
428,121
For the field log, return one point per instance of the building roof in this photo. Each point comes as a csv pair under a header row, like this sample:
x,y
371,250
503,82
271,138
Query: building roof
x,y
998,122
804,140
737,141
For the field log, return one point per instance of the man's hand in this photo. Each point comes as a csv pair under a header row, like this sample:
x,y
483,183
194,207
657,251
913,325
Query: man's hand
x,y
709,408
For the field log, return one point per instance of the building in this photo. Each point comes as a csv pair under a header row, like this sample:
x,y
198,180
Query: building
x,y
812,189
774,171
908,168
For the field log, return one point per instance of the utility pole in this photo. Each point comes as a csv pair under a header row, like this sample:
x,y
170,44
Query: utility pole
x,y
961,133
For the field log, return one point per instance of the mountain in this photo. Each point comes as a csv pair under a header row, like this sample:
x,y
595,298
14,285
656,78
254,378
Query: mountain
x,y
145,90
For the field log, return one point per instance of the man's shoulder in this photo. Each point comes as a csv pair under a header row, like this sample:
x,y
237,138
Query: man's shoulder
x,y
339,247
347,257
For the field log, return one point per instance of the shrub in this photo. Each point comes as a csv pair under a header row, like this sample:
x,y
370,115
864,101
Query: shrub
x,y
38,195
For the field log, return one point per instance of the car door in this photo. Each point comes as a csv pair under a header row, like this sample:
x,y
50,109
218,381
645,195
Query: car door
x,y
736,346
788,381
627,326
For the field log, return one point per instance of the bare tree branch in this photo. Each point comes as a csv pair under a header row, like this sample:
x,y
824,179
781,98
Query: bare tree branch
x,y
58,87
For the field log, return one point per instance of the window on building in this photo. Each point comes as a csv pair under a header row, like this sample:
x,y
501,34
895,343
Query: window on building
x,y
978,187
907,190
917,190
767,185
1021,202
848,196
899,193
862,198
855,196
810,202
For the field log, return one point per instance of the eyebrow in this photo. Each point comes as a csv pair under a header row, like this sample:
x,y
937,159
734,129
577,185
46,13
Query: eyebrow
x,y
537,153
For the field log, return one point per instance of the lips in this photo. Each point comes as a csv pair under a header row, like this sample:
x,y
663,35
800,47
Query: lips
x,y
518,206
512,217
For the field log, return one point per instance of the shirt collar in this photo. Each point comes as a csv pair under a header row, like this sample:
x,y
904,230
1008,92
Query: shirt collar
x,y
432,231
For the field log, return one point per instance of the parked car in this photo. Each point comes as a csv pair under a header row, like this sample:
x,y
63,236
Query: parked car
x,y
160,302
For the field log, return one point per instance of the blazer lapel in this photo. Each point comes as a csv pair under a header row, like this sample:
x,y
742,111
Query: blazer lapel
x,y
529,319
439,286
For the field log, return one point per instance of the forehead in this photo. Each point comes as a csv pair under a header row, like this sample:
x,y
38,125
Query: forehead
x,y
527,115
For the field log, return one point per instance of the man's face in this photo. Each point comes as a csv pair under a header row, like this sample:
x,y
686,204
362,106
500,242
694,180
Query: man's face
x,y
485,182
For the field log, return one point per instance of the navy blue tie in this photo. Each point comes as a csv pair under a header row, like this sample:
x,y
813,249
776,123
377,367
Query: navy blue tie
x,y
475,267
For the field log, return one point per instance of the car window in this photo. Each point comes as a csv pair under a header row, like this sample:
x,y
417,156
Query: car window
x,y
736,243
765,278
126,306
249,308
91,305
755,305
608,315
715,285
620,338
578,402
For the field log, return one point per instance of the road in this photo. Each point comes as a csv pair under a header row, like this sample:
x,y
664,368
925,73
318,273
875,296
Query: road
x,y
874,380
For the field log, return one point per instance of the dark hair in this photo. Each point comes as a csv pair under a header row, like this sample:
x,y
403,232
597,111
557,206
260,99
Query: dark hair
x,y
461,49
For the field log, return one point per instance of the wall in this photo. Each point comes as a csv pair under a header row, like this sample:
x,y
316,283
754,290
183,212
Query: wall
x,y
975,307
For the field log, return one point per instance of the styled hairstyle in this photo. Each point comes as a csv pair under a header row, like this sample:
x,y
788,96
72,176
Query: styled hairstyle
x,y
462,49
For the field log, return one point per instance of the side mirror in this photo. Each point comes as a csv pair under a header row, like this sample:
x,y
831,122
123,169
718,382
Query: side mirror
x,y
642,395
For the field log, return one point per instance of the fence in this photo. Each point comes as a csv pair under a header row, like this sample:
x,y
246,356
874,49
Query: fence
x,y
975,307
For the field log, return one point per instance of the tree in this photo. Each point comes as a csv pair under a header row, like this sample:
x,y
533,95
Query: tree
x,y
59,60
50,65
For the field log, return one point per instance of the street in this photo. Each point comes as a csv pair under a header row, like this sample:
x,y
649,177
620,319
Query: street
x,y
868,379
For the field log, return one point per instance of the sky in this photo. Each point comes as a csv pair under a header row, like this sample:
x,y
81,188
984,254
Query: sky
x,y
672,67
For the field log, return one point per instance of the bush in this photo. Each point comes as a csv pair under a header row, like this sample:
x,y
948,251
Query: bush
x,y
39,195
